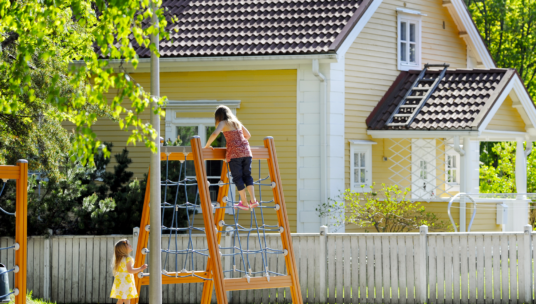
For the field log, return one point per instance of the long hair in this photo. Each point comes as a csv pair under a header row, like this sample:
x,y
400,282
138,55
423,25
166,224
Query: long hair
x,y
223,113
120,252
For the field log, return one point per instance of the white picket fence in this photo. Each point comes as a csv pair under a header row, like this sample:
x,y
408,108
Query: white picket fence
x,y
333,268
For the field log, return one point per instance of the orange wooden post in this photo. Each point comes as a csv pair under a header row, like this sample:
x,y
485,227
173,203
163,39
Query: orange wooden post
x,y
143,237
218,217
210,227
21,234
282,218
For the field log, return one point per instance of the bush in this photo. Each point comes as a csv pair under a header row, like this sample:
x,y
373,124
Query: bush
x,y
92,201
390,211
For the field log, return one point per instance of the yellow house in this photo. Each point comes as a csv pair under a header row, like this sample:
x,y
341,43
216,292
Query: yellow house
x,y
328,80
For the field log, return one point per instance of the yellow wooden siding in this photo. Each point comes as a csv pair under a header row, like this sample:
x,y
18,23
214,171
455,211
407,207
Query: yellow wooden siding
x,y
485,219
507,118
268,108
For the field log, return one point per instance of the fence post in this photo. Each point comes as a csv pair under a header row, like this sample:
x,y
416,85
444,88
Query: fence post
x,y
46,266
322,263
135,236
227,243
422,280
527,279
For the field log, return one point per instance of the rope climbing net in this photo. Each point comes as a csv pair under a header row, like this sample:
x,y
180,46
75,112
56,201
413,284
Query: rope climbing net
x,y
15,246
247,240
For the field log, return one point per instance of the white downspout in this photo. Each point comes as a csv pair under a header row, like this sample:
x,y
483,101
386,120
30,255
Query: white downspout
x,y
457,147
323,119
463,182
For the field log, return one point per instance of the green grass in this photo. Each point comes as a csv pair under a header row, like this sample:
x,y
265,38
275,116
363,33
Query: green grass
x,y
31,300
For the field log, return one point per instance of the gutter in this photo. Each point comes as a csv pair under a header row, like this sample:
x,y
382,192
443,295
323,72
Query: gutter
x,y
323,118
146,61
420,133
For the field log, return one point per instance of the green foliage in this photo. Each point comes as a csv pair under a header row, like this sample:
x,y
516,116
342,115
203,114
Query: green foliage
x,y
111,202
497,172
86,200
34,131
45,37
390,211
508,28
56,208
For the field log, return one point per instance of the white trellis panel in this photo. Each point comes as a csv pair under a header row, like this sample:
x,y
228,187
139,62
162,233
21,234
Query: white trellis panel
x,y
421,166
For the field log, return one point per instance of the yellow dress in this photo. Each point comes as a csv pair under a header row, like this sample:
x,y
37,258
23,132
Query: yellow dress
x,y
124,287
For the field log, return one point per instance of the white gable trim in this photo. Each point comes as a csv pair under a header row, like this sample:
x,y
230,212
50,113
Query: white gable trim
x,y
349,40
496,106
517,86
525,100
468,30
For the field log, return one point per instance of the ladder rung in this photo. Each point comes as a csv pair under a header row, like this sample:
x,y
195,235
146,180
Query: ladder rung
x,y
428,79
421,89
415,97
408,106
402,115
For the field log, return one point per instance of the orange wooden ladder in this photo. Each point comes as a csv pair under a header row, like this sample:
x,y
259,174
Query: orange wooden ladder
x,y
212,277
20,174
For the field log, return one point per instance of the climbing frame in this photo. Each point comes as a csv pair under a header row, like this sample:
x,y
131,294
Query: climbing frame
x,y
19,173
212,277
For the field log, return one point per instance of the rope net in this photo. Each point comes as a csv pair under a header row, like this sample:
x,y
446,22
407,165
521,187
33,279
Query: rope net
x,y
181,206
5,213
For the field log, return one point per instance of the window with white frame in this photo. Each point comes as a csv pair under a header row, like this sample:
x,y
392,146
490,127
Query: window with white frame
x,y
452,171
409,39
361,165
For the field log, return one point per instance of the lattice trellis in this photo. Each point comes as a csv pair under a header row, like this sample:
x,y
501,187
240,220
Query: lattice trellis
x,y
421,166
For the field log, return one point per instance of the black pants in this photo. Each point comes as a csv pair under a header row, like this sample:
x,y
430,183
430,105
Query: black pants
x,y
241,172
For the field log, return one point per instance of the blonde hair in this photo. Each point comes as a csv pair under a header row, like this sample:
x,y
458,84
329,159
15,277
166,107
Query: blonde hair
x,y
223,113
120,252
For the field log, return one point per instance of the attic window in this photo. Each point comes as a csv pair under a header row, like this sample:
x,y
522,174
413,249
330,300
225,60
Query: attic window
x,y
409,40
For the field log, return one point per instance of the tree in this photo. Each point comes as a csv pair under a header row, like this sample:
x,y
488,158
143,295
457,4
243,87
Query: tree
x,y
102,188
36,34
508,28
389,212
54,208
498,175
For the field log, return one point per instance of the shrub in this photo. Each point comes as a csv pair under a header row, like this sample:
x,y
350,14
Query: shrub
x,y
388,211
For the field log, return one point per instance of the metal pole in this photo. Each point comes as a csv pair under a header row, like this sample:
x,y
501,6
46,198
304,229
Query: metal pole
x,y
155,262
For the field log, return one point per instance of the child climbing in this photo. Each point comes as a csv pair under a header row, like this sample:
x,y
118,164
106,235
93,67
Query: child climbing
x,y
238,154
124,288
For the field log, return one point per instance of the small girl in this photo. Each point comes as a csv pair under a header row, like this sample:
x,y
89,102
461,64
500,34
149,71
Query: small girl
x,y
124,288
238,154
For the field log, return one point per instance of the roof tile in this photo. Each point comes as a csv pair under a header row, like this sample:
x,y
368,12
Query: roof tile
x,y
457,102
252,27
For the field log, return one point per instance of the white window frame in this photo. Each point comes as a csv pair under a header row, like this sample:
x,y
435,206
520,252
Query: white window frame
x,y
455,186
361,146
413,17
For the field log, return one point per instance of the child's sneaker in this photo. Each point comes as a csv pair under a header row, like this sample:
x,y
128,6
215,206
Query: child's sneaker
x,y
253,204
241,206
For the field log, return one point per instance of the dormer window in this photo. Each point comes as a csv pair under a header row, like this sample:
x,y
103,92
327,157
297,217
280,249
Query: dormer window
x,y
409,39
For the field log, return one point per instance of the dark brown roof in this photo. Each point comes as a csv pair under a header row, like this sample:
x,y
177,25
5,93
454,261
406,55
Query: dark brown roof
x,y
257,27
460,102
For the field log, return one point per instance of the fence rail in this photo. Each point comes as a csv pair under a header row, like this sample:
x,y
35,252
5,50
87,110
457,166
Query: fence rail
x,y
333,268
